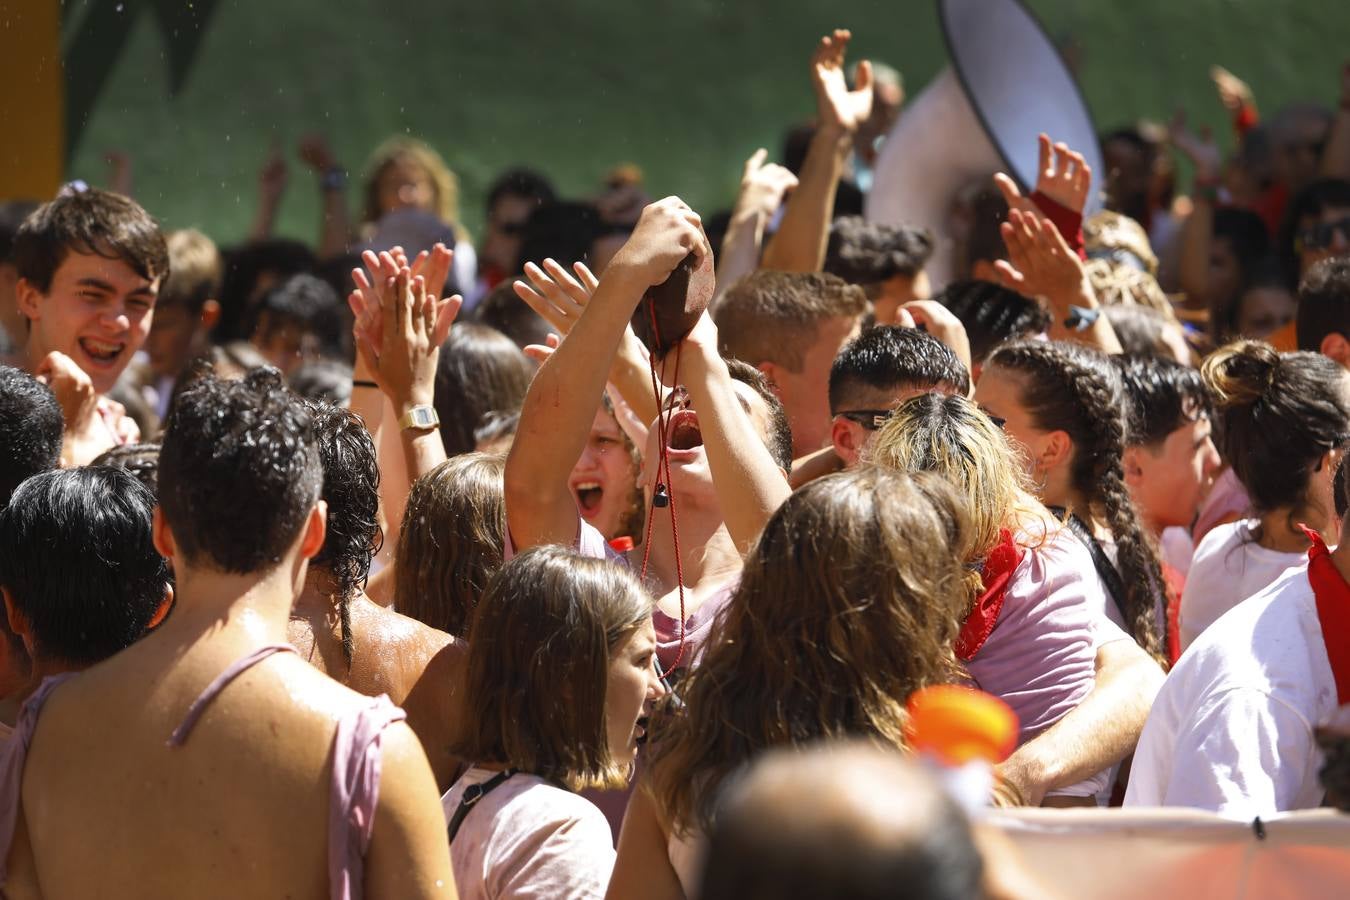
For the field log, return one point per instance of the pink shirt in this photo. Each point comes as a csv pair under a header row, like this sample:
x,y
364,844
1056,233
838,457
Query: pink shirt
x,y
1040,658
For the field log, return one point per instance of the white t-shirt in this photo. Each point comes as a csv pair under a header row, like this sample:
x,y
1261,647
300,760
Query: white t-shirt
x,y
528,839
1229,566
1231,731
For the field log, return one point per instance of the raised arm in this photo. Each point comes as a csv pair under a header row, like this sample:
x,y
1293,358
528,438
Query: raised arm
x,y
762,190
1198,232
335,227
272,179
561,402
750,486
559,298
799,245
1041,264
1336,155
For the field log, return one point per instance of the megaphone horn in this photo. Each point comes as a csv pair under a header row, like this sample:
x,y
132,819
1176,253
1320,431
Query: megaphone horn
x,y
1006,84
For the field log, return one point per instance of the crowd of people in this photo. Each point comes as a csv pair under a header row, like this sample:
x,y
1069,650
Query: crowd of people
x,y
396,565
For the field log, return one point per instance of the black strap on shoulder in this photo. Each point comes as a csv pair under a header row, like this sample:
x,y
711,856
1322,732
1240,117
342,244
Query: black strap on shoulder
x,y
1106,571
472,794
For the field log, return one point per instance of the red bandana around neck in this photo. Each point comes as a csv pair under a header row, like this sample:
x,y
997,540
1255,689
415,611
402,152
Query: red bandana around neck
x,y
996,574
1333,610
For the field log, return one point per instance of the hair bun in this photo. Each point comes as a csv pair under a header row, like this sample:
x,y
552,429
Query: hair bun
x,y
1241,373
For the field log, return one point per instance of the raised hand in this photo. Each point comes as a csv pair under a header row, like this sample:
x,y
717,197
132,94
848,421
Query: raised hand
x,y
85,438
315,152
836,105
942,324
272,176
666,233
1062,175
1040,262
1201,149
556,296
1233,91
414,326
763,185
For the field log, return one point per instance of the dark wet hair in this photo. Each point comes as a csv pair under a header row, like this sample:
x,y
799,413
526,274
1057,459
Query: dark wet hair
x,y
1066,387
1313,200
503,310
310,303
520,182
894,358
481,371
1324,303
31,429
1162,395
351,488
141,460
323,380
1277,414
78,558
863,252
239,471
93,222
992,314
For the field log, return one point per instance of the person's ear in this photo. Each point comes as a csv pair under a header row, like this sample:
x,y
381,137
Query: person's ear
x,y
847,442
27,297
771,371
316,530
160,534
1134,471
18,622
1336,347
210,315
1056,450
165,605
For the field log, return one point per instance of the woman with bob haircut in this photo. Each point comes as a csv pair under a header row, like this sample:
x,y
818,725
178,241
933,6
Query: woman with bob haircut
x,y
450,546
1283,421
1024,573
848,603
561,664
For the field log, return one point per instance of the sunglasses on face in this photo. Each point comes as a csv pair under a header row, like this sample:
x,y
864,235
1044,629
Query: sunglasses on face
x,y
871,419
1319,237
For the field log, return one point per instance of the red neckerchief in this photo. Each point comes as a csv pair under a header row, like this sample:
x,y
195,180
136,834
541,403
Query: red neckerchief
x,y
1333,610
997,575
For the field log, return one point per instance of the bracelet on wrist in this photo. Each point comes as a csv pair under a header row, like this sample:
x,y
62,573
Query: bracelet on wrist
x,y
1081,318
361,382
334,179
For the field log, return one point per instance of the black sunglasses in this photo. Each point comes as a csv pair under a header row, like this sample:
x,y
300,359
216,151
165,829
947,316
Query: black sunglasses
x,y
1319,237
871,419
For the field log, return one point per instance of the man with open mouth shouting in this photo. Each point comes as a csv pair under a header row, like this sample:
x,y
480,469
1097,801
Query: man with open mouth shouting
x,y
90,264
725,438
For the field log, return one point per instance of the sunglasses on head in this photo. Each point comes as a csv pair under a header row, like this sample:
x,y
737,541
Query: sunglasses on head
x,y
1321,236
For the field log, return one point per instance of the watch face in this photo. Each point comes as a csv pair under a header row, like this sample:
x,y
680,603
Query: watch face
x,y
424,417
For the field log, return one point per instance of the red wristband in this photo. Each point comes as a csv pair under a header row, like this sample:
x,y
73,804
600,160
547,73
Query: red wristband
x,y
1067,221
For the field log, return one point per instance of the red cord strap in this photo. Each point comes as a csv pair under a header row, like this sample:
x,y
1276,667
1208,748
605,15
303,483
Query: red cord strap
x,y
663,417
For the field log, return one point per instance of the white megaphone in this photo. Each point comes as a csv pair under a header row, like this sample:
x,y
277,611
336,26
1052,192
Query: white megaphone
x,y
1006,84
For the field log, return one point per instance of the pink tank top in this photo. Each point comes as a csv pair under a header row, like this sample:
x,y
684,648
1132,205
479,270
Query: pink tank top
x,y
354,788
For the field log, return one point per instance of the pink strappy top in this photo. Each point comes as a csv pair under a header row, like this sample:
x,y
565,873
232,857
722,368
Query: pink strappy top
x,y
354,790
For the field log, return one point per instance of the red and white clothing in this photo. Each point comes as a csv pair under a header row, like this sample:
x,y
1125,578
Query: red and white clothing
x,y
1231,731
1040,656
1229,566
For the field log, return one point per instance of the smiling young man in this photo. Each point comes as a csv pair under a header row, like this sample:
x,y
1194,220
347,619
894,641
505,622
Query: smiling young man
x,y
90,264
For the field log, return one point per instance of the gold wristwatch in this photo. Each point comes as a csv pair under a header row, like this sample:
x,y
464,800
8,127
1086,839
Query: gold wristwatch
x,y
420,418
